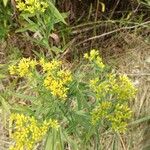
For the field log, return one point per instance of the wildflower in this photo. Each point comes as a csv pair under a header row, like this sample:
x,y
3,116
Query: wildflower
x,y
30,9
119,117
120,87
12,69
114,114
100,112
95,58
93,55
50,66
31,6
23,68
124,88
100,88
56,79
99,63
21,6
28,131
86,56
57,87
65,75
30,2
54,124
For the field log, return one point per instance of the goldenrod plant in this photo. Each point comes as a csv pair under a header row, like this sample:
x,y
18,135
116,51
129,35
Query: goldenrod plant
x,y
76,104
27,131
40,18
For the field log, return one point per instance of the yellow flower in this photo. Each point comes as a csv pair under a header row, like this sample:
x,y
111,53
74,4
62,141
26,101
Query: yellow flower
x,y
33,63
50,66
99,63
124,88
31,6
54,124
28,131
114,114
93,54
119,117
30,2
101,111
23,68
57,87
30,9
21,6
12,69
86,56
56,79
95,58
65,75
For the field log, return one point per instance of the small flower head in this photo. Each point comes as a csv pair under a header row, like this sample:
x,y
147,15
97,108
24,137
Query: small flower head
x,y
100,112
31,6
95,58
124,88
50,67
119,117
12,69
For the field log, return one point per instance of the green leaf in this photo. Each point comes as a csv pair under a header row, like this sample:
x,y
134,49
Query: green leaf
x,y
56,49
5,2
48,145
22,109
30,27
141,120
2,76
5,105
56,13
23,96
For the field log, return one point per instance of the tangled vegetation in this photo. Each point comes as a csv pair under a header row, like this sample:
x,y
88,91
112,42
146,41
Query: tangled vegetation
x,y
58,93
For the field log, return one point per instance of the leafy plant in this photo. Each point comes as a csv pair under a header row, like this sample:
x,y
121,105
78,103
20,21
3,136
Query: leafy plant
x,y
85,102
39,17
145,2
5,2
5,15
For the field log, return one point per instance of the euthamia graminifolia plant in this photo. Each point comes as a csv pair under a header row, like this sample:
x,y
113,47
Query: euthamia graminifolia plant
x,y
83,101
39,17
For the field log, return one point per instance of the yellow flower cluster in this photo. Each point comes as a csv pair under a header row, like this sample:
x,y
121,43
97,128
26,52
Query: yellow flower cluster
x,y
50,67
118,118
31,6
115,115
94,57
118,90
121,87
100,112
57,79
121,90
101,89
23,68
28,131
124,88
